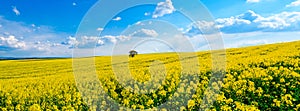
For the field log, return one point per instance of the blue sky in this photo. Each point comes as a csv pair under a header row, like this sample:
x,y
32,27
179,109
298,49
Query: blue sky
x,y
35,28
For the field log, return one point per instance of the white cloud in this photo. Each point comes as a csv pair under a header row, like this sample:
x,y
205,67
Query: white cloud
x,y
95,39
99,29
253,1
245,18
110,38
70,41
144,33
124,38
147,13
83,42
117,19
86,42
200,27
91,41
250,21
115,39
281,21
15,10
11,43
20,29
294,4
45,47
163,8
139,23
74,4
249,15
181,29
30,40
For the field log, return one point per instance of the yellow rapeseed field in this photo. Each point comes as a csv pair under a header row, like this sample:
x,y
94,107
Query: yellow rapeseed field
x,y
257,78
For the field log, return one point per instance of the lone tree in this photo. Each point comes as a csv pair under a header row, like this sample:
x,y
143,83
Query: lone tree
x,y
132,53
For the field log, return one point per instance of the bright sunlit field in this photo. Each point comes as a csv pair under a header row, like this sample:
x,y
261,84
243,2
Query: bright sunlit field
x,y
257,78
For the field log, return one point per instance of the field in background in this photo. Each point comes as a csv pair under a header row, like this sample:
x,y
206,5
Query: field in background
x,y
257,78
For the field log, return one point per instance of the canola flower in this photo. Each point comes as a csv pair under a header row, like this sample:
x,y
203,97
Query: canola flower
x,y
257,78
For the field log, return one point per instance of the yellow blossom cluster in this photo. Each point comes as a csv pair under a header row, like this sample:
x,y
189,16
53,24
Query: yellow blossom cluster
x,y
256,78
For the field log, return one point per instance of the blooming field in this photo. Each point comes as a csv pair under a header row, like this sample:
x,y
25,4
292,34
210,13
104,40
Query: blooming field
x,y
256,78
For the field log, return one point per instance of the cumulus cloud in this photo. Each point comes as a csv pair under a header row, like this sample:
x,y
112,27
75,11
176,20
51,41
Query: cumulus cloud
x,y
163,8
29,31
278,21
147,13
11,43
200,27
192,31
286,21
92,41
117,19
294,4
97,40
45,47
70,41
15,10
224,22
83,42
247,22
114,39
20,39
110,38
253,1
144,33
250,21
245,18
99,29
249,15
139,23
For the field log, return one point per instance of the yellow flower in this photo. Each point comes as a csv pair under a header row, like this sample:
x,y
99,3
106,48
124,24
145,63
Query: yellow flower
x,y
35,107
259,91
150,102
133,106
164,109
126,102
282,80
225,108
221,97
277,103
254,103
141,107
182,108
191,103
284,90
163,92
239,92
229,101
298,107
